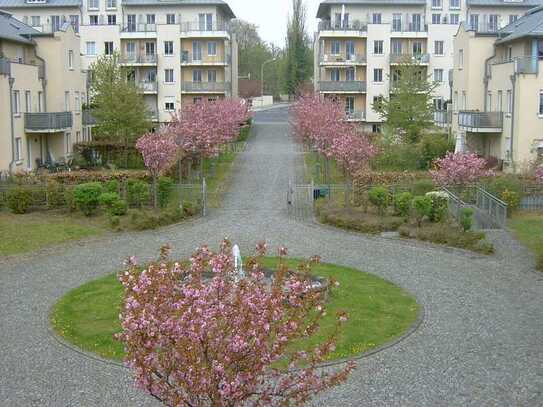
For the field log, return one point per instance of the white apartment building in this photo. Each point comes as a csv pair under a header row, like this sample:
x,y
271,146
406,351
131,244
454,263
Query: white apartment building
x,y
359,42
181,51
42,92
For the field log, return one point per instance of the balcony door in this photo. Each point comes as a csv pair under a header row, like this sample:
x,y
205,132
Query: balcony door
x,y
349,50
417,48
334,75
474,22
150,49
196,51
396,46
349,74
131,22
205,21
396,22
416,21
131,51
55,23
197,75
349,105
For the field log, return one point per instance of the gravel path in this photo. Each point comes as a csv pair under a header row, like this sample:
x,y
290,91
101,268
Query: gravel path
x,y
480,342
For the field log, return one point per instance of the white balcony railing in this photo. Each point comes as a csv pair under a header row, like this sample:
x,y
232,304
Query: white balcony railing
x,y
147,86
409,58
344,59
195,87
139,28
342,86
138,59
187,26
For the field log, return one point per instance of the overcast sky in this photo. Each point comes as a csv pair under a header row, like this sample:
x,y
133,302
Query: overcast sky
x,y
271,16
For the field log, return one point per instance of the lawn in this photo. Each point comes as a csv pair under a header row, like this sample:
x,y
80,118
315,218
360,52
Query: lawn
x,y
528,228
378,312
36,230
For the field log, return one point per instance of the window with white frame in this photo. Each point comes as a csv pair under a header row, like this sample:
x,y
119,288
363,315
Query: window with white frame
x,y
489,101
70,59
68,143
474,22
168,75
18,149
108,48
335,48
438,75
91,48
28,101
436,18
454,4
111,4
112,19
212,75
455,19
93,4
378,75
67,101
378,47
438,47
197,75
168,47
212,48
376,18
150,19
436,4
93,19
35,21
169,106
334,74
16,102
349,74
170,19
77,101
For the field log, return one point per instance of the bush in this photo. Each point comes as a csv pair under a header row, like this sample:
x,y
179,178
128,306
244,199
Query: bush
x,y
69,199
402,204
439,209
512,199
433,146
422,187
19,200
144,220
164,191
112,186
109,198
466,219
55,195
138,192
118,208
397,157
380,198
87,197
422,206
498,185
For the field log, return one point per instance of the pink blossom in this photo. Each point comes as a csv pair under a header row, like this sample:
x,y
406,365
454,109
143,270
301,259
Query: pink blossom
x,y
539,173
459,169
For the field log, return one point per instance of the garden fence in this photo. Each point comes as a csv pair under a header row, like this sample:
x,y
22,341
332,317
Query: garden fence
x,y
532,199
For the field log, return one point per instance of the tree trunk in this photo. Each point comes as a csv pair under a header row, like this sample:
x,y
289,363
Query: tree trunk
x,y
155,191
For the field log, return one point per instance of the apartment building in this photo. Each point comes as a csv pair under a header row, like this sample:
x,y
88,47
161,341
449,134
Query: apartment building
x,y
497,109
42,92
181,51
360,42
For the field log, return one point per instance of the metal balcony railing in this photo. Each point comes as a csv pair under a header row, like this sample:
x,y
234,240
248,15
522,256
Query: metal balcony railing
x,y
187,26
138,59
147,86
352,58
401,26
527,65
48,122
5,67
480,121
355,115
355,25
139,28
189,58
87,119
342,86
205,86
443,117
409,58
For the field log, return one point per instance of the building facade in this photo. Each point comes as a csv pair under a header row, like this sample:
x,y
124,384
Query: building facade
x,y
497,109
42,93
359,43
181,51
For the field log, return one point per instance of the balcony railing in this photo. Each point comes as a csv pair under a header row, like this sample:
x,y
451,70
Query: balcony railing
x,y
147,86
138,59
195,87
87,119
408,25
355,115
342,86
343,59
189,58
355,25
485,25
443,118
527,65
409,58
49,122
480,121
5,67
139,28
187,26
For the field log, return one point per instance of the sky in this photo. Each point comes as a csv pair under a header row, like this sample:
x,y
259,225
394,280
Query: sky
x,y
271,17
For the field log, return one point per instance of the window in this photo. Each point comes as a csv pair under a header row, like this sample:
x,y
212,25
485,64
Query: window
x,y
150,18
16,103
439,104
108,48
196,51
168,47
378,75
436,18
334,74
212,75
70,59
131,25
376,128
396,22
509,101
460,58
67,101
205,22
474,22
18,149
93,4
349,105
396,47
170,18
212,48
150,49
499,105
112,19
196,100
77,102
40,101
417,48
93,20
493,22
438,47
541,103
455,19
349,74
436,3
35,21
376,18
378,47
438,75
68,142
377,101
91,48
349,50
197,75
513,18
28,102
111,4
416,23
169,106
335,48
509,53
453,4
168,75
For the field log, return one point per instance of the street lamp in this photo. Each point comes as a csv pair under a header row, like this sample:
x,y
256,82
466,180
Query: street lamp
x,y
262,75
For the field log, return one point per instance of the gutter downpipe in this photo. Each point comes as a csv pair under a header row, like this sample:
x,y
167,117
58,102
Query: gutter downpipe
x,y
11,82
488,76
513,97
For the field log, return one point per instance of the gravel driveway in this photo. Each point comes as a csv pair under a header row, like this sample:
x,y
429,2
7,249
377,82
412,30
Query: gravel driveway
x,y
480,344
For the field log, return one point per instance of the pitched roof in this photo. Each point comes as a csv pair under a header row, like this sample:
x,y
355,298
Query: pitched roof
x,y
8,4
529,25
12,29
324,6
220,3
505,3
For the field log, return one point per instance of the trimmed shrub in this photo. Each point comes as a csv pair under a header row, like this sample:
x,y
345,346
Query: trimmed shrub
x,y
112,186
165,189
380,198
466,219
87,197
402,204
118,208
422,207
439,205
55,195
138,192
109,198
19,200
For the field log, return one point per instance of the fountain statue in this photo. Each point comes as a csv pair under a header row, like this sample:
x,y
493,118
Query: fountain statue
x,y
238,264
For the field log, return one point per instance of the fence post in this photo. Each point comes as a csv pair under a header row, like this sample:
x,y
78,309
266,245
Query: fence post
x,y
312,196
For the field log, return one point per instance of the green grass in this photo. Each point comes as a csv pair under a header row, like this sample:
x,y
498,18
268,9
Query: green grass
x,y
378,312
36,230
528,228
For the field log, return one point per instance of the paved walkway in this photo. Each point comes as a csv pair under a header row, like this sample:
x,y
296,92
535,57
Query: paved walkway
x,y
480,343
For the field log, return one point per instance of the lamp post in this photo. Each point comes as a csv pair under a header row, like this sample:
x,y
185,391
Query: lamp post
x,y
262,74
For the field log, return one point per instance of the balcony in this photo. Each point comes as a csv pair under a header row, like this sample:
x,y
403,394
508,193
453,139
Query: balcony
x,y
138,59
205,87
480,122
5,67
347,26
342,86
342,60
443,118
527,65
203,28
356,116
50,122
139,28
147,87
409,58
187,58
87,119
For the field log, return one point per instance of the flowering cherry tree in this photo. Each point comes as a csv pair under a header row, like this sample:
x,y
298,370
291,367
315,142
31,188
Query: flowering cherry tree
x,y
198,335
539,173
459,169
159,152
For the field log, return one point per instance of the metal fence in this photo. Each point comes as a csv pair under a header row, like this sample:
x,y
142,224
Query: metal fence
x,y
532,199
494,209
